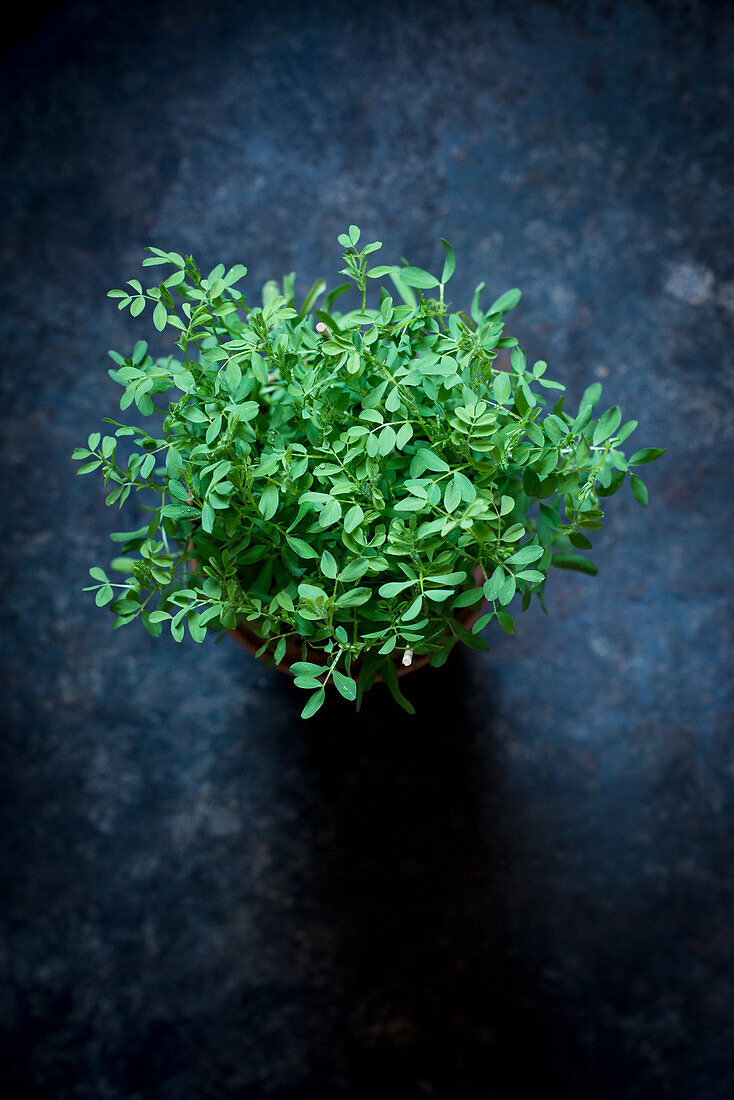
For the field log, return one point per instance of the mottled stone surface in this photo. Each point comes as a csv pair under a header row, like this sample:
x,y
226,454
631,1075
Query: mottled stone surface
x,y
527,890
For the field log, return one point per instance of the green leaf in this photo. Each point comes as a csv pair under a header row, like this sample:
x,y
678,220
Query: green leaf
x,y
353,518
354,571
521,399
476,312
104,595
404,435
466,487
438,595
311,592
639,490
160,315
518,361
307,668
309,301
493,586
307,682
506,621
207,517
575,561
387,441
315,702
330,513
502,387
233,375
506,301
525,555
508,589
180,511
452,495
414,609
122,565
344,685
468,598
269,499
298,546
589,399
177,490
147,466
482,622
449,265
285,600
447,578
393,588
431,461
537,436
534,576
354,598
646,454
248,410
607,426
417,277
174,461
392,402
328,565
410,504
214,429
89,466
259,368
626,430
196,628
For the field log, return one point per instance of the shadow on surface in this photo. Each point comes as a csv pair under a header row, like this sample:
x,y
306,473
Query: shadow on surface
x,y
424,866
408,876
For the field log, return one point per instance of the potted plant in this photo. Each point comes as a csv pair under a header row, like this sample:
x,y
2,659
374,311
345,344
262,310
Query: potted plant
x,y
349,491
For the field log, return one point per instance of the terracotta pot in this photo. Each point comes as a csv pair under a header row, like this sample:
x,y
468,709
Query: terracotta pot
x,y
251,641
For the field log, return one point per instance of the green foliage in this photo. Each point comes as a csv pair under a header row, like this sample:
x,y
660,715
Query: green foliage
x,y
345,480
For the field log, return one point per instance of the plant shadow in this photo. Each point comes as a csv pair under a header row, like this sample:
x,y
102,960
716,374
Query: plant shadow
x,y
406,876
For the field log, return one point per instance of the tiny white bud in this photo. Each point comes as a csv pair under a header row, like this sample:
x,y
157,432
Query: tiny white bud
x,y
407,658
322,329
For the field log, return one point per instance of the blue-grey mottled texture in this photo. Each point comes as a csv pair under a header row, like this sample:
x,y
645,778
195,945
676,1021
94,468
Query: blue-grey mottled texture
x,y
527,890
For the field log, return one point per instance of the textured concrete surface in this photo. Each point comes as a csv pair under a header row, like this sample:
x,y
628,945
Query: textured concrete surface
x,y
527,890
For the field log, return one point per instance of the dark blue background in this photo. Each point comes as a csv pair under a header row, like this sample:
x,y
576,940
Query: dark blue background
x,y
525,891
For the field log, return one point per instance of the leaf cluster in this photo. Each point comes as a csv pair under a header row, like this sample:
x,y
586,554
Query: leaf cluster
x,y
345,479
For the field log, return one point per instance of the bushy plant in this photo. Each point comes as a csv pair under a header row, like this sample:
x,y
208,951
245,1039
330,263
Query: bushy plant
x,y
345,479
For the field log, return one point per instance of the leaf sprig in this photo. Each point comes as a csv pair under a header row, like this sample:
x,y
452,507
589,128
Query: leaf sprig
x,y
345,480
